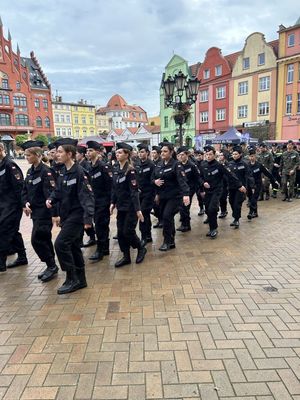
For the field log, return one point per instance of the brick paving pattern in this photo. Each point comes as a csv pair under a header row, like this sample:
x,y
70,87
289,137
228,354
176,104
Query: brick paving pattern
x,y
193,323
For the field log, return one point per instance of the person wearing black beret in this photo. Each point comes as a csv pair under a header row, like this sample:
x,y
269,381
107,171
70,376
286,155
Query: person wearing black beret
x,y
241,170
265,157
156,159
11,184
101,182
38,185
52,156
125,197
144,171
75,198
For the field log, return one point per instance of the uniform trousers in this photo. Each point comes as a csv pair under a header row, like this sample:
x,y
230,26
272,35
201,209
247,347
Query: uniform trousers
x,y
185,213
288,183
200,200
236,199
41,239
67,246
146,207
102,219
253,198
168,209
223,199
10,237
126,224
212,203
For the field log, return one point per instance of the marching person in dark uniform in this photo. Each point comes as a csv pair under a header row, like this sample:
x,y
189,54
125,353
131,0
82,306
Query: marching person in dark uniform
x,y
147,191
213,174
101,182
257,170
54,164
86,165
288,166
241,169
223,199
125,197
297,183
199,156
39,184
171,190
265,157
11,184
156,159
277,154
193,178
76,209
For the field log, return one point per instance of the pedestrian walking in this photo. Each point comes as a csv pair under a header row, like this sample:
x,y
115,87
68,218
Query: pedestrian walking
x,y
289,163
125,197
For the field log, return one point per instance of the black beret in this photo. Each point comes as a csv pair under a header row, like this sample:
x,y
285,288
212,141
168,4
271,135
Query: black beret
x,y
182,149
81,149
123,145
252,152
51,146
169,144
291,141
142,146
156,148
66,141
92,144
32,143
161,144
262,144
238,149
209,148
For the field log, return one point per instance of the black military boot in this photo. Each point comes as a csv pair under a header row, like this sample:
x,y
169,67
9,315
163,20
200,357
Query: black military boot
x,y
90,242
141,254
98,255
71,285
223,214
214,233
235,223
274,194
206,221
50,272
183,228
2,263
20,260
81,277
125,260
201,212
261,197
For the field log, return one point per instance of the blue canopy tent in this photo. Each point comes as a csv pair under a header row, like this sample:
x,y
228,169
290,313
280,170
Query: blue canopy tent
x,y
231,136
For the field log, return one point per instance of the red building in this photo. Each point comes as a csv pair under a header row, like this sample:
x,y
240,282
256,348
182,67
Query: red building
x,y
25,93
212,106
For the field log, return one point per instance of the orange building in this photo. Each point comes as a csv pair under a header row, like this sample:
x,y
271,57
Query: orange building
x,y
25,93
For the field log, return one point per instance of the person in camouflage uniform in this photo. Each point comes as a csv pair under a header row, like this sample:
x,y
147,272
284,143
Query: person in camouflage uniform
x,y
289,163
266,159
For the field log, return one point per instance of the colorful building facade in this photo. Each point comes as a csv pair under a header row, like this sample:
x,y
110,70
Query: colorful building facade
x,y
253,85
25,93
288,95
83,119
169,130
62,116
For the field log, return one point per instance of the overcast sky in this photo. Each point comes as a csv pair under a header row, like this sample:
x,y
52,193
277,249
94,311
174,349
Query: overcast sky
x,y
92,49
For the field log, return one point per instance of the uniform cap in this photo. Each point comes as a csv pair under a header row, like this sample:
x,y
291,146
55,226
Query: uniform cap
x,y
32,143
161,144
262,144
209,148
123,145
291,141
182,149
157,148
51,146
92,144
252,152
238,149
67,141
142,146
81,149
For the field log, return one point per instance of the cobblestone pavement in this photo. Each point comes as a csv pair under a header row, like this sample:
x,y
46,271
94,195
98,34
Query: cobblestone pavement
x,y
194,323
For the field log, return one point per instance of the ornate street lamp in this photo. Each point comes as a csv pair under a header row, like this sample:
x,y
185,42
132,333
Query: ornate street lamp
x,y
175,89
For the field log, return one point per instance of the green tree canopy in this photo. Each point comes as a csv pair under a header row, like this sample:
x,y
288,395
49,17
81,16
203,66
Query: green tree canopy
x,y
42,138
20,139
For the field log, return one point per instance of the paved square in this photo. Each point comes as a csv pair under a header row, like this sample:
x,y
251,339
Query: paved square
x,y
194,323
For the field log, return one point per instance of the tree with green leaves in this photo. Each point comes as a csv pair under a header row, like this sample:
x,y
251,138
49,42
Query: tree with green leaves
x,y
20,139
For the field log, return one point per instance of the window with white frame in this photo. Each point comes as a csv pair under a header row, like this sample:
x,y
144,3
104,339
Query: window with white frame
x,y
63,131
203,96
221,92
204,116
83,119
298,103
288,103
218,70
246,63
243,88
263,108
76,119
62,118
57,131
290,73
69,132
261,59
291,40
91,120
242,111
221,114
68,118
264,83
56,117
206,74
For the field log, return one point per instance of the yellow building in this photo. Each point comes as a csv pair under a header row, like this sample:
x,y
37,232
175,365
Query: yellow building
x,y
154,120
62,117
83,119
103,123
253,85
